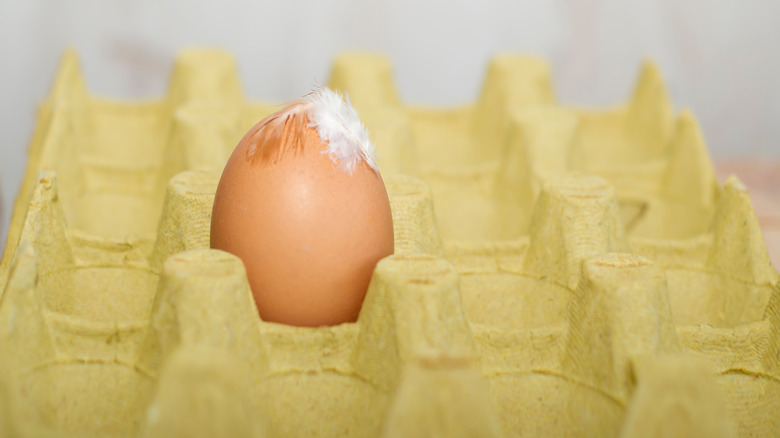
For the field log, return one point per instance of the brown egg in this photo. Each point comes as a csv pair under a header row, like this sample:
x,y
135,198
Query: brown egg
x,y
303,205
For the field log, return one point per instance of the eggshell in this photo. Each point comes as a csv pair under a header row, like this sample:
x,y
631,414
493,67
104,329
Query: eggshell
x,y
309,232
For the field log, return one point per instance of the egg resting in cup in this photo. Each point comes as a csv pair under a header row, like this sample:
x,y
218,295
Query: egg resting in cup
x,y
302,203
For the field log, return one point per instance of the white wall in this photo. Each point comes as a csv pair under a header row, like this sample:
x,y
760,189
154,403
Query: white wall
x,y
719,57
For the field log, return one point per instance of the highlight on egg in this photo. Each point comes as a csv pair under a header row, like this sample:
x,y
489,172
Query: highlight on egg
x,y
302,203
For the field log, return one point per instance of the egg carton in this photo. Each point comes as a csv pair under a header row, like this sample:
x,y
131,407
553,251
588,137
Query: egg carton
x,y
557,272
490,159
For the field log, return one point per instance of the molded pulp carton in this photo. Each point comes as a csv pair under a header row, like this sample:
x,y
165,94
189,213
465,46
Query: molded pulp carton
x,y
558,272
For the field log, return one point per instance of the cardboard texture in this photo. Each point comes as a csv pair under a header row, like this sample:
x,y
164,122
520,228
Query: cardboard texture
x,y
558,272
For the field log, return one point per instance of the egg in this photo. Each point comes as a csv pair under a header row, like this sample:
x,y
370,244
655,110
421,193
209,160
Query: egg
x,y
302,203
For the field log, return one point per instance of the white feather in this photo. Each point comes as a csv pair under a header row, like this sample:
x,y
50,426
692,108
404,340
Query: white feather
x,y
338,125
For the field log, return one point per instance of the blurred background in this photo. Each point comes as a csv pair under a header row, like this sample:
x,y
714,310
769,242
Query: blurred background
x,y
719,58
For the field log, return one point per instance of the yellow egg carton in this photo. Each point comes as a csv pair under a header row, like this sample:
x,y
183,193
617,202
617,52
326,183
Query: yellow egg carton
x,y
558,272
488,161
